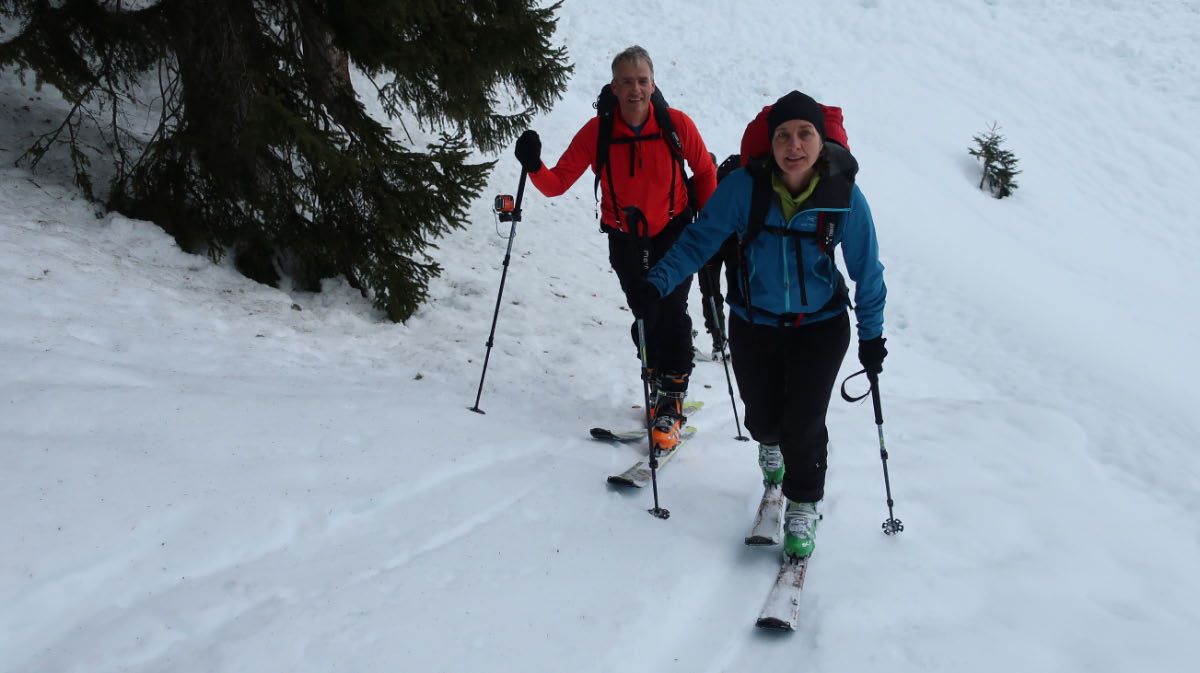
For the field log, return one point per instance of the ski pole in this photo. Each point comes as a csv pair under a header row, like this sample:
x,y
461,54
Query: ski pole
x,y
656,511
510,211
712,304
892,525
635,220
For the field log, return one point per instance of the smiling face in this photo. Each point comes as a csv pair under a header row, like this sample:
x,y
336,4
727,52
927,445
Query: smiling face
x,y
796,146
633,84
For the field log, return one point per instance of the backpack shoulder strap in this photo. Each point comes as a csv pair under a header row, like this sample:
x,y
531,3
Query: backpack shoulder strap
x,y
666,126
760,200
760,203
606,106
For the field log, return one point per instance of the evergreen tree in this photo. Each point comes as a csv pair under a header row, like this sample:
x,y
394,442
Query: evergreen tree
x,y
262,147
999,164
1004,172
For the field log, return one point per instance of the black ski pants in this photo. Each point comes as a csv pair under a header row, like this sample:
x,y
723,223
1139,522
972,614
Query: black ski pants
x,y
669,333
786,377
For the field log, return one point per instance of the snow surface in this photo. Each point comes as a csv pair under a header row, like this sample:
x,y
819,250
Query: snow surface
x,y
206,474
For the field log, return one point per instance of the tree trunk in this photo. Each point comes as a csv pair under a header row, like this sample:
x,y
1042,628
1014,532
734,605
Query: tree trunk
x,y
328,67
215,69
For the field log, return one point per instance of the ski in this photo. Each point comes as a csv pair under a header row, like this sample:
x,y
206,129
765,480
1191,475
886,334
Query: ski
x,y
619,436
782,609
690,408
768,521
638,475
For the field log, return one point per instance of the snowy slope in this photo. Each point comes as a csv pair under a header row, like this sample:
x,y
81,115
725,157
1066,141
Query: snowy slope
x,y
202,473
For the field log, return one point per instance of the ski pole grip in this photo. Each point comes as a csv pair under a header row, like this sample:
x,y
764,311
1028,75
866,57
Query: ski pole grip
x,y
516,213
874,379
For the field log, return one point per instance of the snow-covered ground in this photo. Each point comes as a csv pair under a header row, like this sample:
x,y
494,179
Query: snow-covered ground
x,y
204,474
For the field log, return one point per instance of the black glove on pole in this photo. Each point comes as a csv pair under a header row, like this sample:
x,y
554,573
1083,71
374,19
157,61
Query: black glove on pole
x,y
871,354
512,233
644,300
529,151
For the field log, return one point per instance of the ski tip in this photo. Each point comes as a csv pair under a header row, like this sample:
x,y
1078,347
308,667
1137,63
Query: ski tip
x,y
760,541
774,624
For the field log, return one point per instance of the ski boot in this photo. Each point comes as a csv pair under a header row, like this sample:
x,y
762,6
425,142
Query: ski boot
x,y
799,529
770,459
666,427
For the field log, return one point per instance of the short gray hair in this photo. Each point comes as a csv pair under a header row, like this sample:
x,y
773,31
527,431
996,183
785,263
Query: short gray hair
x,y
632,55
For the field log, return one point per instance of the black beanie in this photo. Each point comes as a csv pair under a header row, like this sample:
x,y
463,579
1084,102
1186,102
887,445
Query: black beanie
x,y
795,105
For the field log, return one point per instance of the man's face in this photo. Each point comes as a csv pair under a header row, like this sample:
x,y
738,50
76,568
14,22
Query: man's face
x,y
633,85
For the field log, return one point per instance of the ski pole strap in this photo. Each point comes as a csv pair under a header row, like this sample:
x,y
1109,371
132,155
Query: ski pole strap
x,y
846,396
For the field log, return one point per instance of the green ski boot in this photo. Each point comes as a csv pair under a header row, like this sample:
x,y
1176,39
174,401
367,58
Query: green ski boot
x,y
770,459
800,528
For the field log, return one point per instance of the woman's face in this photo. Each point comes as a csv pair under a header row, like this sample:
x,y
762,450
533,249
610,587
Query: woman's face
x,y
796,146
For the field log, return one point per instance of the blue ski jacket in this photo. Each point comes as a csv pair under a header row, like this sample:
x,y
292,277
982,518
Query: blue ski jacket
x,y
781,276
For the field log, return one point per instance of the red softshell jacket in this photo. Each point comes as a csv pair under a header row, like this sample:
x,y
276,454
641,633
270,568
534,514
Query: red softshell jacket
x,y
641,171
755,142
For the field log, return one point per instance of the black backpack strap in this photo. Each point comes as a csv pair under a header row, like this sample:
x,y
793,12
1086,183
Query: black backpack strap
x,y
606,108
662,115
760,198
760,203
612,195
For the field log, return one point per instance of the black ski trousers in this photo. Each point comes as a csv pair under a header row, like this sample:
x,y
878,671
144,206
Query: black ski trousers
x,y
669,334
786,377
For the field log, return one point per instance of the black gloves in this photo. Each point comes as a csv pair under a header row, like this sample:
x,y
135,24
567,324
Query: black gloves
x,y
529,151
871,354
644,299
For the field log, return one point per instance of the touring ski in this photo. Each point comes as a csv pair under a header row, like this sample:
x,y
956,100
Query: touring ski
x,y
638,475
768,521
690,408
782,609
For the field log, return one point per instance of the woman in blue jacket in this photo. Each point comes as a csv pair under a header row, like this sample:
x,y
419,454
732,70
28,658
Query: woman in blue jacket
x,y
789,328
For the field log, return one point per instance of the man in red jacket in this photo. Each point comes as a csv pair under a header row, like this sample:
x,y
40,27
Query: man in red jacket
x,y
643,208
